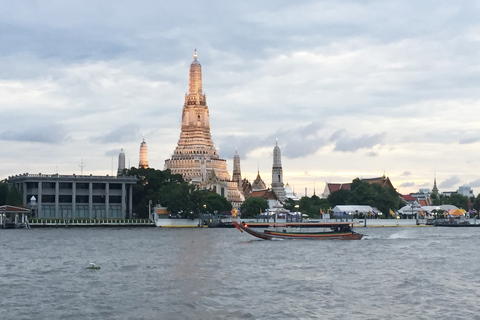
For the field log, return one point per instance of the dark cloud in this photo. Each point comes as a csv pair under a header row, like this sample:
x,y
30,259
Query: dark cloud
x,y
296,142
112,153
124,133
450,182
406,174
372,154
345,143
44,133
469,140
474,184
407,184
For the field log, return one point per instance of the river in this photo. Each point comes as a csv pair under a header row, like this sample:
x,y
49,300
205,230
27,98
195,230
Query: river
x,y
157,273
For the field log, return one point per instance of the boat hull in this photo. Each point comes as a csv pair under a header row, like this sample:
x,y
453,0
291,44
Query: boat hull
x,y
177,223
271,235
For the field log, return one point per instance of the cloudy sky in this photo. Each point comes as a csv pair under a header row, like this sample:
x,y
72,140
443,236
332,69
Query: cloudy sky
x,y
349,88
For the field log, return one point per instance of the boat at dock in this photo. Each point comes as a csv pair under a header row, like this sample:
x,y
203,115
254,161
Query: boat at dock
x,y
322,231
454,222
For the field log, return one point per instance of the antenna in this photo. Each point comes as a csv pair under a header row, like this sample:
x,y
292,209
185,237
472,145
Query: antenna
x,y
81,167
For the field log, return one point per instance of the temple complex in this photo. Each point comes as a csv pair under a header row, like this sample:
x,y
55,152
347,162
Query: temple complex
x,y
195,156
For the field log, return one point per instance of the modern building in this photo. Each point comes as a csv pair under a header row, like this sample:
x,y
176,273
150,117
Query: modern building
x,y
465,191
195,156
72,196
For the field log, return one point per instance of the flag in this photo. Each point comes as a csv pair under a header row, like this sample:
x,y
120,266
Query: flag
x,y
392,213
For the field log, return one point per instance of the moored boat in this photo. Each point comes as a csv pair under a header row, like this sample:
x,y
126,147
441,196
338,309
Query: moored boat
x,y
334,231
454,222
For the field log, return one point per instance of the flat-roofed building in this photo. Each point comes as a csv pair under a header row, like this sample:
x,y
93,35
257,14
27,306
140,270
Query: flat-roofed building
x,y
73,196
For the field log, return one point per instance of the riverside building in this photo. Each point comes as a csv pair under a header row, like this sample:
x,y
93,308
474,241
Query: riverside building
x,y
72,196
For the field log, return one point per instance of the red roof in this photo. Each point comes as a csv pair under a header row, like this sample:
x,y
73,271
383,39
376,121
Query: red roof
x,y
333,187
13,209
264,193
408,197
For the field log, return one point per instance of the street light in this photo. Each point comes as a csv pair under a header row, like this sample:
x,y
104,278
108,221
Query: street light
x,y
33,204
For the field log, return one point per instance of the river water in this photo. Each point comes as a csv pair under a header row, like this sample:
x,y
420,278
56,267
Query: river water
x,y
155,273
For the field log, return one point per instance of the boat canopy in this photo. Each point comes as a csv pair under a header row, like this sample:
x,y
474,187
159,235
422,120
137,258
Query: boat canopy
x,y
457,212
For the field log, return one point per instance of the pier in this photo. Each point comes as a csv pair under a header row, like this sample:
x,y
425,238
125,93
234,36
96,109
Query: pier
x,y
12,217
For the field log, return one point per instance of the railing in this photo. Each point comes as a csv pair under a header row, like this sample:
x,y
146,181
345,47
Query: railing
x,y
110,222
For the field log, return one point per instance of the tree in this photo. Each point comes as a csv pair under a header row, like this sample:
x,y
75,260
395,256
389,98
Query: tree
x,y
9,194
3,192
253,206
290,204
311,206
339,197
459,200
205,201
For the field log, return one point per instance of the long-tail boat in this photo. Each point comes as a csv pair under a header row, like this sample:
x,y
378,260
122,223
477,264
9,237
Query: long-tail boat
x,y
335,230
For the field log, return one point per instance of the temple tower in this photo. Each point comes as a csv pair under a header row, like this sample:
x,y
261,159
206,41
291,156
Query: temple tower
x,y
143,163
195,156
237,174
435,189
121,163
277,174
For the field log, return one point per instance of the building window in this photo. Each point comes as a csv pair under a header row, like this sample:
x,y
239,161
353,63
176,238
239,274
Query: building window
x,y
65,199
81,199
98,199
48,185
65,185
115,199
32,185
47,198
82,185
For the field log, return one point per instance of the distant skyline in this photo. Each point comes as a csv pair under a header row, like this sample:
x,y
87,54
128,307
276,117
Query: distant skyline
x,y
349,88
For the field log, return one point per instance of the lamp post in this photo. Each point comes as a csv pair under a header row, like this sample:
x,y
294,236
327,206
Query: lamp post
x,y
150,210
33,204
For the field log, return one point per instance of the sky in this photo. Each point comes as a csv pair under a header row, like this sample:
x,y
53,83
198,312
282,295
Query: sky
x,y
351,89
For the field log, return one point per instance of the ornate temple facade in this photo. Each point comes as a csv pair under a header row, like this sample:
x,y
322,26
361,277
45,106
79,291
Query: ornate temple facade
x,y
195,156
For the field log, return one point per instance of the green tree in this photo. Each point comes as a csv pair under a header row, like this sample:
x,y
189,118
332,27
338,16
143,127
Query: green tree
x,y
252,206
312,205
290,204
339,197
459,200
3,192
10,195
205,201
